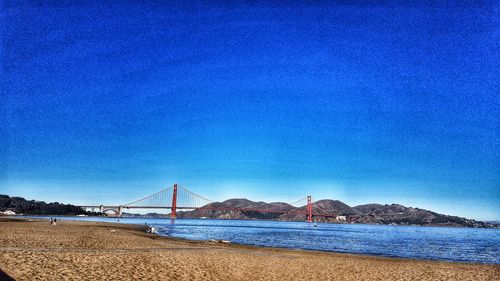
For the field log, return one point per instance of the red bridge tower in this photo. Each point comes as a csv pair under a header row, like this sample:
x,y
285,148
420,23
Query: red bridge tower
x,y
309,209
173,214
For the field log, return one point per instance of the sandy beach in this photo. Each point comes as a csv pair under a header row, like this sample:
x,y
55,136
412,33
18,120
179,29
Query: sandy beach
x,y
102,251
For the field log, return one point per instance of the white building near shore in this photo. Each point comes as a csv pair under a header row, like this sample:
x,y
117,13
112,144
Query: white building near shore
x,y
7,213
341,218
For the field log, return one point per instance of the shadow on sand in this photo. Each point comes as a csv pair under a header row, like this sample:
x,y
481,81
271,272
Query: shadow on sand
x,y
5,277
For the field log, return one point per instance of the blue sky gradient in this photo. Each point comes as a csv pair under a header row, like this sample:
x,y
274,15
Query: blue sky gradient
x,y
388,103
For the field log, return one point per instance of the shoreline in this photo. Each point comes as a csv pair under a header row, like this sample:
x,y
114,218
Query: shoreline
x,y
256,247
495,226
27,246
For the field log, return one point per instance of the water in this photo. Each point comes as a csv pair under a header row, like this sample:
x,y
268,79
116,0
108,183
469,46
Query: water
x,y
435,243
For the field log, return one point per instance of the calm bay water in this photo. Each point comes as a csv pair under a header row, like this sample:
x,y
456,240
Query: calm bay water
x,y
437,243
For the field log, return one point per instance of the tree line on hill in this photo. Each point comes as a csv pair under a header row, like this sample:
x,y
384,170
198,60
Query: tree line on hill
x,y
32,207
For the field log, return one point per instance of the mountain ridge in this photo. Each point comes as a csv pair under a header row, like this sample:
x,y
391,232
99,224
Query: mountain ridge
x,y
373,213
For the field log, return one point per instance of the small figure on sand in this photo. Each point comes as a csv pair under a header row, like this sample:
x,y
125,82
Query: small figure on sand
x,y
152,230
53,221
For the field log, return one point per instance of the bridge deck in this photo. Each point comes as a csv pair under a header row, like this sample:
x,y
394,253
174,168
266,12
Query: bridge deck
x,y
213,209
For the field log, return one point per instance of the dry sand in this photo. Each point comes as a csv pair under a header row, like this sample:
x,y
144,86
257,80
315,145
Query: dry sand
x,y
102,251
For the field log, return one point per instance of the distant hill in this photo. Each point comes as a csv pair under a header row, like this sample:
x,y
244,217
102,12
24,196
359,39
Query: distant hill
x,y
365,214
148,215
398,214
22,206
211,210
365,209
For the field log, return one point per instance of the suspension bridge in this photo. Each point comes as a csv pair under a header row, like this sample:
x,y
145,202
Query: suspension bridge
x,y
179,198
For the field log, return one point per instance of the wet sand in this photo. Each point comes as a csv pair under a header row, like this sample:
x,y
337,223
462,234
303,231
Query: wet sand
x,y
103,251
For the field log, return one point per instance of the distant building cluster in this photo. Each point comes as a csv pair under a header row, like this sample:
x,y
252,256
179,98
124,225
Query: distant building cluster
x,y
341,218
7,213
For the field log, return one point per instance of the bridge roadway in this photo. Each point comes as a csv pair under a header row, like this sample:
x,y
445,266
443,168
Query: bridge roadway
x,y
161,199
106,208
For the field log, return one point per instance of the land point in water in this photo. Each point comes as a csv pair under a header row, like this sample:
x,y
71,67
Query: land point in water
x,y
475,245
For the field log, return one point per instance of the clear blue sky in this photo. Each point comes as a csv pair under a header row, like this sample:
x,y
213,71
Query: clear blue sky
x,y
108,102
